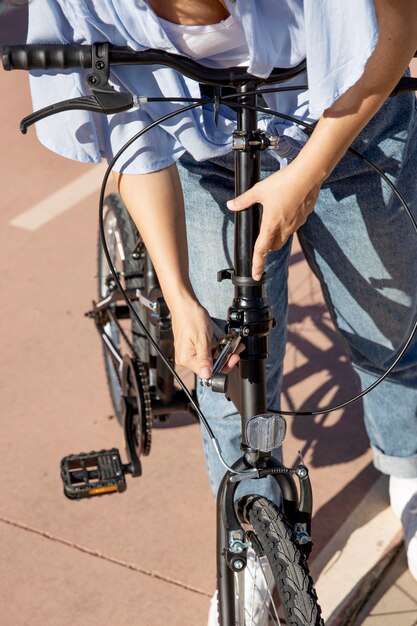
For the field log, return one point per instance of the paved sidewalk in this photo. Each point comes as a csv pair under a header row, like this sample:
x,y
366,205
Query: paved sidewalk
x,y
394,600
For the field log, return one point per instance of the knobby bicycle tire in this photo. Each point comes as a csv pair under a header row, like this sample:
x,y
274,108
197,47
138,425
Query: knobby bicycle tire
x,y
133,273
273,537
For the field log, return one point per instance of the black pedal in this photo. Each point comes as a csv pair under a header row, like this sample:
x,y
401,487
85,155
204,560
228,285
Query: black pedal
x,y
92,474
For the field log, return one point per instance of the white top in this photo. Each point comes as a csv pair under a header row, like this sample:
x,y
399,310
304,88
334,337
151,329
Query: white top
x,y
218,45
336,36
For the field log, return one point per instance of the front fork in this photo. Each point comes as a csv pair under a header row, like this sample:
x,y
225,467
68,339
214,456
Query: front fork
x,y
231,536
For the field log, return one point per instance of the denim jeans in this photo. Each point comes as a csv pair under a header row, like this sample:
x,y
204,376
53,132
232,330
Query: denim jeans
x,y
361,246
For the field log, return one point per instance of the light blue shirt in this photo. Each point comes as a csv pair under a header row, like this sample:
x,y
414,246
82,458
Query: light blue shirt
x,y
336,37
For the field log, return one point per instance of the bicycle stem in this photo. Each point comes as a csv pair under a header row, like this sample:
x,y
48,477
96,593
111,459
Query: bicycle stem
x,y
249,315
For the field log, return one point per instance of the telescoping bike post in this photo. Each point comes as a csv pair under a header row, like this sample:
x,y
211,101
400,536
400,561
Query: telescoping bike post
x,y
250,317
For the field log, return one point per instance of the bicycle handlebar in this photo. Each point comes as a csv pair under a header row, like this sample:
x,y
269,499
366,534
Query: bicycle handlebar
x,y
46,56
67,56
100,56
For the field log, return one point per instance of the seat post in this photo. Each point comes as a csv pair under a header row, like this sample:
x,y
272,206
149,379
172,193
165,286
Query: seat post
x,y
249,314
247,173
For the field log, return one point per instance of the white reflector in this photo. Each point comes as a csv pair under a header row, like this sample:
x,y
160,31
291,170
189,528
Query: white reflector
x,y
266,432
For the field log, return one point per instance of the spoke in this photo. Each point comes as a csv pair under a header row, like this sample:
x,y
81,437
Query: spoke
x,y
263,594
253,588
119,244
271,601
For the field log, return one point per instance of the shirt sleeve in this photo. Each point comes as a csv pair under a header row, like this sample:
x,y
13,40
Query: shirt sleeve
x,y
85,136
340,38
88,136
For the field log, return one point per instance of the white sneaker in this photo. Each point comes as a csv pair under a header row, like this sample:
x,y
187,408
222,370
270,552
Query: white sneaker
x,y
213,616
259,584
403,496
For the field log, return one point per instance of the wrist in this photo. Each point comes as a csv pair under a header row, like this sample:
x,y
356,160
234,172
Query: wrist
x,y
312,164
180,297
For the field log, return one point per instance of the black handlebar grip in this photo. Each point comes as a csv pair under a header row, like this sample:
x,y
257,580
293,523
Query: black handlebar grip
x,y
46,57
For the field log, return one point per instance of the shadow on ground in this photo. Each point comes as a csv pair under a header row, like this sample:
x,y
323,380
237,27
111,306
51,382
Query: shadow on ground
x,y
336,437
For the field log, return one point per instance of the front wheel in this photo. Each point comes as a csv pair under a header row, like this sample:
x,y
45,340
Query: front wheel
x,y
275,588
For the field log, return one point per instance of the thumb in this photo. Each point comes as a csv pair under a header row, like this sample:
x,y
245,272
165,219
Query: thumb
x,y
204,361
244,201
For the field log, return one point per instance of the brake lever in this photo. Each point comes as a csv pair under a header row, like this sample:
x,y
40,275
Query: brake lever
x,y
100,102
225,348
104,98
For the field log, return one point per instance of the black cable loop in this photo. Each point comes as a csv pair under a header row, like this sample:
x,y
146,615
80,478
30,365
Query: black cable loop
x,y
306,126
336,407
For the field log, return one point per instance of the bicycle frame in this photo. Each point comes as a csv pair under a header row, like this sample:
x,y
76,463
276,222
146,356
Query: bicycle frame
x,y
169,400
251,316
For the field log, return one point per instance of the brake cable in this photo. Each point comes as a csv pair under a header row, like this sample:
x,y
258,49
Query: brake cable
x,y
309,127
384,177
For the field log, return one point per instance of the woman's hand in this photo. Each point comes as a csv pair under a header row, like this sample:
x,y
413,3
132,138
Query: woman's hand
x,y
193,337
287,199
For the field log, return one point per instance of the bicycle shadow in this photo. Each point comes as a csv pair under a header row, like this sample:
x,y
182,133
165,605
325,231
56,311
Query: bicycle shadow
x,y
329,519
332,439
317,374
175,420
321,374
180,419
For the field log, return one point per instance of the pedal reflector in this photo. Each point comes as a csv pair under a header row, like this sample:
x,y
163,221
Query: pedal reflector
x,y
92,474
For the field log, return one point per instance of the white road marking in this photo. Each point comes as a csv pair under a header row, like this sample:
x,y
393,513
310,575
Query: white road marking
x,y
60,201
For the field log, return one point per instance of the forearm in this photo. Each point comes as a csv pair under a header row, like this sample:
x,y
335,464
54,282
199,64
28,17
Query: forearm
x,y
341,123
155,203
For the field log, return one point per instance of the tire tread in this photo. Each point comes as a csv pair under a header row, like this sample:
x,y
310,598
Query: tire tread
x,y
288,563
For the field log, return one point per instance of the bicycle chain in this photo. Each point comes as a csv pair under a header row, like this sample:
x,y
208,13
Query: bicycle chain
x,y
147,404
147,420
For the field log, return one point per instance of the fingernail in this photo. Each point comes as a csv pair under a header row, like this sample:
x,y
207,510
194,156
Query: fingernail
x,y
257,276
229,204
205,373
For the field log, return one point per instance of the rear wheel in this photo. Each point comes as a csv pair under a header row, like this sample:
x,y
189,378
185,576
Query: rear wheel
x,y
127,253
275,588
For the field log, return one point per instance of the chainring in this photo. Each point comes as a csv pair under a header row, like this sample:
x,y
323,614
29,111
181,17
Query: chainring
x,y
135,388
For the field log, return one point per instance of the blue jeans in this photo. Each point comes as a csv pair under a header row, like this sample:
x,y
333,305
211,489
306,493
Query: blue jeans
x,y
361,246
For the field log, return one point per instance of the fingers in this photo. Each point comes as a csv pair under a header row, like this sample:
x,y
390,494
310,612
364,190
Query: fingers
x,y
263,245
204,367
244,201
271,235
267,234
202,364
198,358
233,359
203,357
